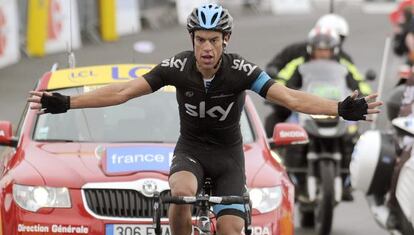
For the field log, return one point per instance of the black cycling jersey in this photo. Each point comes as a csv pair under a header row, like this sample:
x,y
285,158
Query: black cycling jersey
x,y
209,117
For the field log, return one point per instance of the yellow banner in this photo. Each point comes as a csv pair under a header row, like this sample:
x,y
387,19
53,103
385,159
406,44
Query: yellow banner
x,y
96,75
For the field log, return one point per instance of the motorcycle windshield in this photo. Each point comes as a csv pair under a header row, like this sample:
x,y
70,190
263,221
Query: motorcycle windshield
x,y
325,78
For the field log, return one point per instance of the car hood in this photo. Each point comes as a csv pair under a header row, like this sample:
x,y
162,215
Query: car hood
x,y
75,164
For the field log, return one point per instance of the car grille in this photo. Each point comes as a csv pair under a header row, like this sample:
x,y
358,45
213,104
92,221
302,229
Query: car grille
x,y
124,203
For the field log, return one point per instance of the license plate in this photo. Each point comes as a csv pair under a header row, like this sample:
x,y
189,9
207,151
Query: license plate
x,y
134,229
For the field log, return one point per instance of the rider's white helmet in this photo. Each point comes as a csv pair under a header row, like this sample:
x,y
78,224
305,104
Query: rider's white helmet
x,y
372,163
323,38
334,21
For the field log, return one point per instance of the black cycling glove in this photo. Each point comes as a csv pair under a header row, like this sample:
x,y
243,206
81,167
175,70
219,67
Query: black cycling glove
x,y
353,109
55,103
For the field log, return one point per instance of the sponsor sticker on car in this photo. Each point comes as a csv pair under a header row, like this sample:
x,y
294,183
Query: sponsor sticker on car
x,y
121,160
53,228
96,75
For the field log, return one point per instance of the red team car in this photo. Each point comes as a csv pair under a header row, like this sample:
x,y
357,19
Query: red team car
x,y
94,171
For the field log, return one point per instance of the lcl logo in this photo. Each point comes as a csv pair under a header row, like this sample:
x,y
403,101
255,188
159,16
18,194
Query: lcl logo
x,y
55,19
3,23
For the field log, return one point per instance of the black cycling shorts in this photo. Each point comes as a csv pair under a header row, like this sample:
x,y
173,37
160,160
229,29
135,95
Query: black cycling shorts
x,y
225,167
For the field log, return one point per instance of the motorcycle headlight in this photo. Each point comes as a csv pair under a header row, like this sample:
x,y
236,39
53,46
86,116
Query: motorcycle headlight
x,y
321,116
266,199
32,198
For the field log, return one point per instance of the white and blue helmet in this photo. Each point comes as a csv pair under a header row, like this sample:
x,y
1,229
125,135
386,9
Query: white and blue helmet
x,y
210,17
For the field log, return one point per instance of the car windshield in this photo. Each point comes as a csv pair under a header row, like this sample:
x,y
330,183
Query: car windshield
x,y
152,118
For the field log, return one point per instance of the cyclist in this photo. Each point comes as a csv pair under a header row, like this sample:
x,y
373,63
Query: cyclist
x,y
298,49
323,43
210,86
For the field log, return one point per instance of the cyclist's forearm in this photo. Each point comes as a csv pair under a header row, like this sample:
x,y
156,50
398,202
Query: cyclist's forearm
x,y
300,101
312,104
113,94
105,96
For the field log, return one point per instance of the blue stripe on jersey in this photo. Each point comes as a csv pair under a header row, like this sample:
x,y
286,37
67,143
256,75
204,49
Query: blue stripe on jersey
x,y
260,82
220,207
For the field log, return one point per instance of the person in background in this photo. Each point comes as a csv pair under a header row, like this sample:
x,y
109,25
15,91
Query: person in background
x,y
297,49
401,18
405,147
322,43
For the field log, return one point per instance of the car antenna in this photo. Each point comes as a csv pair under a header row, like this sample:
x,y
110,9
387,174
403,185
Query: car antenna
x,y
71,55
134,59
54,67
331,7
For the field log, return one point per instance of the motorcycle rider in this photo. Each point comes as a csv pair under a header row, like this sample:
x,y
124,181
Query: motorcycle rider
x,y
298,49
323,43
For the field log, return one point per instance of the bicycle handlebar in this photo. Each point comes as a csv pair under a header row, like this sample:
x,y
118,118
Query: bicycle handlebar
x,y
204,202
225,200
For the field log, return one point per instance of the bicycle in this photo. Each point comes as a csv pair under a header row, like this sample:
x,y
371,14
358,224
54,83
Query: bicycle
x,y
202,202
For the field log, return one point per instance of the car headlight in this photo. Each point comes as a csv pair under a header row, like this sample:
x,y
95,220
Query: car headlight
x,y
266,199
32,198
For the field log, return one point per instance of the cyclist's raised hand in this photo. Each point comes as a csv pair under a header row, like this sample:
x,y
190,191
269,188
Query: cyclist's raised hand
x,y
46,102
355,109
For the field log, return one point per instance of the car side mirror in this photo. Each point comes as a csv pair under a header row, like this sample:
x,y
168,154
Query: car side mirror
x,y
6,134
286,134
370,75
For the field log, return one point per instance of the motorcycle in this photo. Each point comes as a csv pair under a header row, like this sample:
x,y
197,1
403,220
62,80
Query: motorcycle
x,y
405,190
373,170
321,174
382,166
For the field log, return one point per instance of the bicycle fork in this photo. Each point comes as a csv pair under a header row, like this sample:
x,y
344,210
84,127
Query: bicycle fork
x,y
203,219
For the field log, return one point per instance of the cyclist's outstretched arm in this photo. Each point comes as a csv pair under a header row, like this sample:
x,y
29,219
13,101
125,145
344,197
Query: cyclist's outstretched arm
x,y
351,108
112,94
299,101
109,95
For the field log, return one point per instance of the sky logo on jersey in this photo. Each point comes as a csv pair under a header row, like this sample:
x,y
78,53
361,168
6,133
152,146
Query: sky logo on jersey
x,y
214,112
133,159
242,65
173,62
